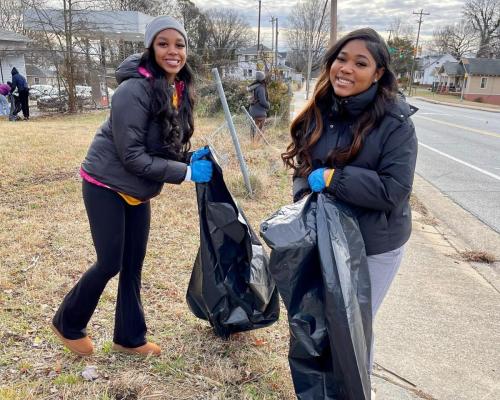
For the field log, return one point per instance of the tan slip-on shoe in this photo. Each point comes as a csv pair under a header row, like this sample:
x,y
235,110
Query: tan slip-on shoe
x,y
144,350
83,347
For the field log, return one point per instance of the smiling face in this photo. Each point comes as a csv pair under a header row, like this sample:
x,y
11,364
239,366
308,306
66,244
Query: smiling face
x,y
354,70
170,52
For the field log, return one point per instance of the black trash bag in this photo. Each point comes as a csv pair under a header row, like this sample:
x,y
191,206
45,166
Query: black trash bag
x,y
318,261
230,285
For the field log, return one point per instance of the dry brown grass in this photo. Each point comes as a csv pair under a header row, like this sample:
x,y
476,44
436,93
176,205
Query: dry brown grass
x,y
478,256
45,245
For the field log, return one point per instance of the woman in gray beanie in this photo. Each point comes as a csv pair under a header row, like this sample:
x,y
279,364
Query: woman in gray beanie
x,y
259,104
143,144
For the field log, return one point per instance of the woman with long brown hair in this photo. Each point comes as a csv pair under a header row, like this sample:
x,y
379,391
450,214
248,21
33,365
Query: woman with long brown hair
x,y
355,140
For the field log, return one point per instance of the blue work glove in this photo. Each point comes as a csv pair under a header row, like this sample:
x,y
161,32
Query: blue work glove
x,y
201,171
316,180
200,153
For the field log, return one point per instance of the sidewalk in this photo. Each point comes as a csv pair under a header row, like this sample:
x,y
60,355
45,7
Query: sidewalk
x,y
438,331
445,103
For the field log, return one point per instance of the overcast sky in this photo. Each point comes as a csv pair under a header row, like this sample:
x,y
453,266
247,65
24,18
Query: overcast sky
x,y
352,14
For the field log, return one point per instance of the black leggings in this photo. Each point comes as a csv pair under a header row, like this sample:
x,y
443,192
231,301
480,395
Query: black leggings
x,y
120,234
24,99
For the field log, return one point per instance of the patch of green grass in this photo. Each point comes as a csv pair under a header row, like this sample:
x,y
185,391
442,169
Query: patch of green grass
x,y
67,379
170,367
107,347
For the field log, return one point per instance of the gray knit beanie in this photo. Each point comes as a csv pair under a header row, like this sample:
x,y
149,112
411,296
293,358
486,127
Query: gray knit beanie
x,y
159,24
260,76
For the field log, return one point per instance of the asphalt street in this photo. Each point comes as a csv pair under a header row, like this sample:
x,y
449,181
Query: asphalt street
x,y
459,153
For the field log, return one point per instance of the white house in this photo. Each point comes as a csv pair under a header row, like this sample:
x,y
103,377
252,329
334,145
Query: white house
x,y
12,49
247,63
428,67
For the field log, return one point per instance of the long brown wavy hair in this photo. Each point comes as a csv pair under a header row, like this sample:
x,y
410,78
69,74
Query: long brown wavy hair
x,y
307,127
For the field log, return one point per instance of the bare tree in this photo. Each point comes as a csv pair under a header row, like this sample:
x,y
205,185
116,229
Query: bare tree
x,y
309,28
194,22
400,29
60,30
227,32
484,15
458,39
11,15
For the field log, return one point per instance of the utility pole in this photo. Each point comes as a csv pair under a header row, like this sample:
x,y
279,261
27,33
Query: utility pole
x,y
390,33
258,35
421,13
272,41
333,22
309,51
276,51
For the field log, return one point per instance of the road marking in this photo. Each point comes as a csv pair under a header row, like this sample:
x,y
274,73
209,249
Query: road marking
x,y
460,161
482,132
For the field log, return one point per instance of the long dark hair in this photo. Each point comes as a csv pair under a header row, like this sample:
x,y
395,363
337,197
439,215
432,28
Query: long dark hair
x,y
297,155
177,124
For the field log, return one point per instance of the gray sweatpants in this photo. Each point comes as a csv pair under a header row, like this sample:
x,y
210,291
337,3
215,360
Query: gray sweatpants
x,y
382,269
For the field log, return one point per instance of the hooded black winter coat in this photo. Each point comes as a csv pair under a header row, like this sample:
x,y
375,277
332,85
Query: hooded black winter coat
x,y
377,183
18,81
124,153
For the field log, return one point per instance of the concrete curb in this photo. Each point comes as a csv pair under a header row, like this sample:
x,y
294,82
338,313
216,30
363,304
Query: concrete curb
x,y
455,104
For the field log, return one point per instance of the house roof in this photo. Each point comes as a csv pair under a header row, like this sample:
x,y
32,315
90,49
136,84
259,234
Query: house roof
x,y
124,25
432,61
482,66
33,70
252,50
451,68
9,36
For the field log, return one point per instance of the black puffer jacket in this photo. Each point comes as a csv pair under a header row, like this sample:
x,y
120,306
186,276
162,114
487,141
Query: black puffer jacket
x,y
123,153
378,182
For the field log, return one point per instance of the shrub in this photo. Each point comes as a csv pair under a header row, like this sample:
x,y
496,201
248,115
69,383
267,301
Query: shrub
x,y
208,102
280,97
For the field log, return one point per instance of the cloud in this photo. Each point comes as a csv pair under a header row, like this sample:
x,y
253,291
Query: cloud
x,y
353,14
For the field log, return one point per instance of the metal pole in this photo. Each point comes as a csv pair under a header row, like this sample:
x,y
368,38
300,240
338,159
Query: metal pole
x,y
309,66
333,22
258,34
232,130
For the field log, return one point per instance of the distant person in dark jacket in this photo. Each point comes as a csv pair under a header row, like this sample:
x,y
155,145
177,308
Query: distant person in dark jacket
x,y
259,104
142,145
19,82
355,140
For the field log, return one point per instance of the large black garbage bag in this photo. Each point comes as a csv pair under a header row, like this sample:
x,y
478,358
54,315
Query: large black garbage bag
x,y
318,261
230,285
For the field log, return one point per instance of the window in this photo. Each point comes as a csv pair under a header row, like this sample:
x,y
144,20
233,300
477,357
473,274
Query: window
x,y
484,82
37,80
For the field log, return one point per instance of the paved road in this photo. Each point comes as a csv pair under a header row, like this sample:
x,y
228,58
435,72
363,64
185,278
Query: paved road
x,y
459,153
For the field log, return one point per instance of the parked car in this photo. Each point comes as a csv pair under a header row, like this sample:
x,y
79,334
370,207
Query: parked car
x,y
56,100
37,91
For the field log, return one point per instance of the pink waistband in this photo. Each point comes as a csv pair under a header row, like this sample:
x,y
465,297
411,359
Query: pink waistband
x,y
89,179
